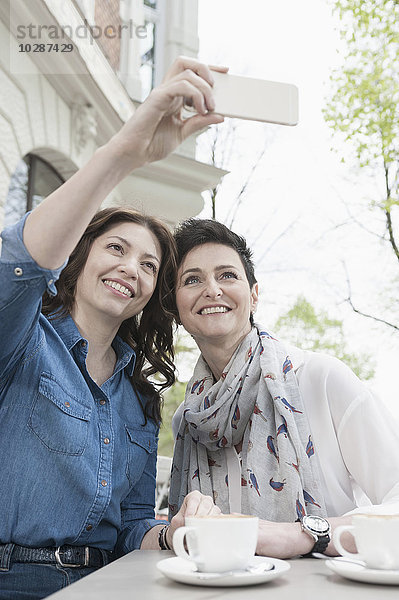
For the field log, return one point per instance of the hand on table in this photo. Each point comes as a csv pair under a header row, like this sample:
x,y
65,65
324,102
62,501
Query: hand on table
x,y
194,503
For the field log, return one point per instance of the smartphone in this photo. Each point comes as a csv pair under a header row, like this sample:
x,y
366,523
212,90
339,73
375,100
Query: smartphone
x,y
255,99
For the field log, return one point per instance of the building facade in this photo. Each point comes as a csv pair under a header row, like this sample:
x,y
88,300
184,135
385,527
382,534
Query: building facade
x,y
71,73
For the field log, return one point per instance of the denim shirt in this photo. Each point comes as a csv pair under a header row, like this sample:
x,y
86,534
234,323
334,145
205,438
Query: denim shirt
x,y
78,461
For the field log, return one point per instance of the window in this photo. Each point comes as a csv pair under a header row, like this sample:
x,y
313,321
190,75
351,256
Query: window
x,y
147,59
32,181
151,47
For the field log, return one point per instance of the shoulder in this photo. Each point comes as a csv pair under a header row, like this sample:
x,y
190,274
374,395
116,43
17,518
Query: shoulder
x,y
320,365
326,381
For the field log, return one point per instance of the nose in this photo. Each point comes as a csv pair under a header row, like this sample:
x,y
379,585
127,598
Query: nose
x,y
212,289
129,268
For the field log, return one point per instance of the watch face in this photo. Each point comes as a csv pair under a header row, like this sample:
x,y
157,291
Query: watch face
x,y
316,524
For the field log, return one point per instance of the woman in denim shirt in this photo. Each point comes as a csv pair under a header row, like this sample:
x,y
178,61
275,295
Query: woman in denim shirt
x,y
78,416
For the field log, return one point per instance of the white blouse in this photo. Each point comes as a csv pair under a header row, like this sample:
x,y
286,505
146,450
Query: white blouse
x,y
356,437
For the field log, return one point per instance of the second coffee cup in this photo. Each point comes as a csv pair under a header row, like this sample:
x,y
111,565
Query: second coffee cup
x,y
376,538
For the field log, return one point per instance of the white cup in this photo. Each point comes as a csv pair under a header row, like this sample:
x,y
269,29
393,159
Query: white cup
x,y
377,540
218,543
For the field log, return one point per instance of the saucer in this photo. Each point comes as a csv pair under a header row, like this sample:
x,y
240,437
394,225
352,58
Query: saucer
x,y
184,571
360,573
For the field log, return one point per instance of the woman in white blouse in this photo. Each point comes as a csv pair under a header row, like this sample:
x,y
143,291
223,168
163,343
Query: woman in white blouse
x,y
291,436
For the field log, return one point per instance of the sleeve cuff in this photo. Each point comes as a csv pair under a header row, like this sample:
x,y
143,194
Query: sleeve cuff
x,y
131,537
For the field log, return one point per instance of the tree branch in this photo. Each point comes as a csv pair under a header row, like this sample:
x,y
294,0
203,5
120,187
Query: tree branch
x,y
359,312
387,213
390,233
244,186
276,239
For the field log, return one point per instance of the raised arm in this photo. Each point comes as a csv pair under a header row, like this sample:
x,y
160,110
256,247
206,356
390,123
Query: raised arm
x,y
53,229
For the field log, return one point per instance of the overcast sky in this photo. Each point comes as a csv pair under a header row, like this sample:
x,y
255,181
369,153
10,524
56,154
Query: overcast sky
x,y
301,184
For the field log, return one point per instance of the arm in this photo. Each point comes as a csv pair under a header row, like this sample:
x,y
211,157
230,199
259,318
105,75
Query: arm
x,y
286,540
345,415
53,229
22,284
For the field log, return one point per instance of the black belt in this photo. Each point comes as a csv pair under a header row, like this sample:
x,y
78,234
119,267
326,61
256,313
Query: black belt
x,y
64,556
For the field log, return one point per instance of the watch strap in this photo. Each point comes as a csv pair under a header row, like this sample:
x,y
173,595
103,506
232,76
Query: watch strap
x,y
320,544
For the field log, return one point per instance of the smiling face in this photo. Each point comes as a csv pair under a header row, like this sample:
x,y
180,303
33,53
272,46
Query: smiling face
x,y
119,276
213,296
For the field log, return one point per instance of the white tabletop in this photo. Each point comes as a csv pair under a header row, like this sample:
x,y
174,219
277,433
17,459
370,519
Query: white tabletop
x,y
135,576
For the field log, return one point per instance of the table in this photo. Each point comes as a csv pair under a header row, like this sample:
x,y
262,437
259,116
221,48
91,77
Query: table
x,y
136,576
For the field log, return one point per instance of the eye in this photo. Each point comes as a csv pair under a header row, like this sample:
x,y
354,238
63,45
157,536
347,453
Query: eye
x,y
151,266
191,279
229,275
116,247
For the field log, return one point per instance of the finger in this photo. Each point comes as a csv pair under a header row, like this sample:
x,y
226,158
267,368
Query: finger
x,y
186,62
205,506
218,68
215,510
201,84
190,504
188,92
198,122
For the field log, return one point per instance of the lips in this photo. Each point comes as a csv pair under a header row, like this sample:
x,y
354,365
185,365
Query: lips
x,y
120,286
211,310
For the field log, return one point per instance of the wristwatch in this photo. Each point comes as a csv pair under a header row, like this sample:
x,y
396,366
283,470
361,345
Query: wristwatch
x,y
319,530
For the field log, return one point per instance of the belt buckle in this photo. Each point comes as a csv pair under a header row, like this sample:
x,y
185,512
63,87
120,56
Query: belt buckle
x,y
59,561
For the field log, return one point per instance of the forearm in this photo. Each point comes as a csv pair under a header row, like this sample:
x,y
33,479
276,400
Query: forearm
x,y
286,540
150,540
53,229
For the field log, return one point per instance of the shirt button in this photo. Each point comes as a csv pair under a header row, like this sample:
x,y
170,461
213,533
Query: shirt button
x,y
50,281
67,404
84,343
106,440
89,527
18,271
102,402
104,483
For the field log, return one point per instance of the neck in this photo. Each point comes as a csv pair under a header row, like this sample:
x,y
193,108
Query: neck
x,y
97,332
217,355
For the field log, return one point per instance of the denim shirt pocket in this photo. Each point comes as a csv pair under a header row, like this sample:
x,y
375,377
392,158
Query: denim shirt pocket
x,y
140,444
58,418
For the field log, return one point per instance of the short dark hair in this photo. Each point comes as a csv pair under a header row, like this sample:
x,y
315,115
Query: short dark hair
x,y
196,232
150,334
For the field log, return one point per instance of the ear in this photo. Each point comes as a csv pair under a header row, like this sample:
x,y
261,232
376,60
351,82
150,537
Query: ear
x,y
254,298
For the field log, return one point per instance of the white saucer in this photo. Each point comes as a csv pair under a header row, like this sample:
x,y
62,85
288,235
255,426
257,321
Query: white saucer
x,y
182,570
360,573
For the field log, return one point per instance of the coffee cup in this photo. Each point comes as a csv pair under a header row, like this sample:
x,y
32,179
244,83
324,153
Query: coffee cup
x,y
217,543
377,540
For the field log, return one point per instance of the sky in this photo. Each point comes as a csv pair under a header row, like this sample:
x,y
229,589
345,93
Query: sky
x,y
295,214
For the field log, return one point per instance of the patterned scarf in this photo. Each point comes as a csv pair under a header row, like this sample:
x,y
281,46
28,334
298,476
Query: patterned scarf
x,y
256,401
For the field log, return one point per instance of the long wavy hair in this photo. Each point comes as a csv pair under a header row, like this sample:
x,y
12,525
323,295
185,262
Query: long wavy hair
x,y
150,333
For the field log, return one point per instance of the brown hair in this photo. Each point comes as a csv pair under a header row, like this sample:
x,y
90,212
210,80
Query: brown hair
x,y
150,334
